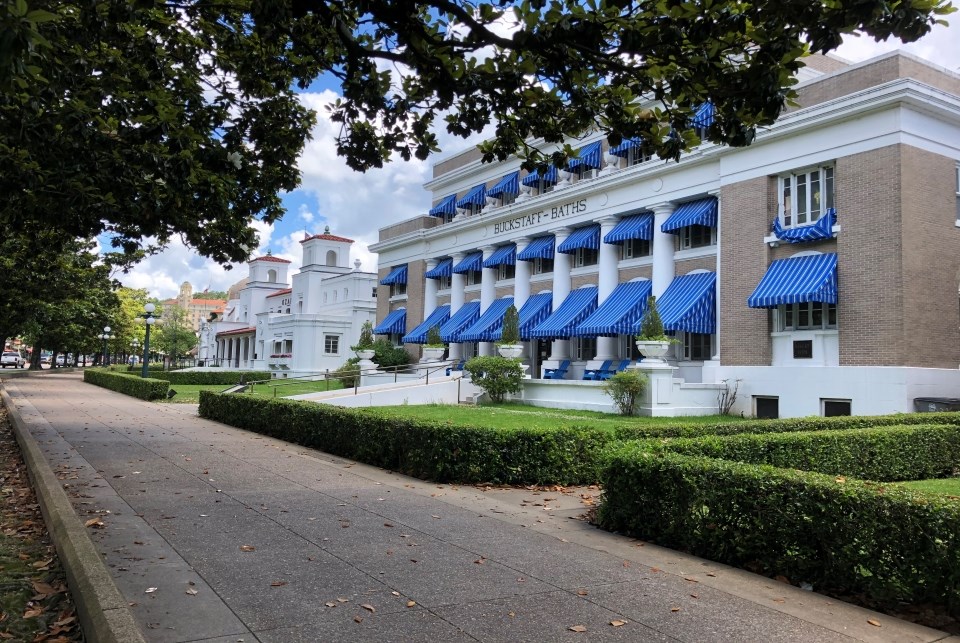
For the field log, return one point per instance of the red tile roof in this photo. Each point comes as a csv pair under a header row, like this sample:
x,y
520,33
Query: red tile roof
x,y
277,293
270,258
328,237
238,331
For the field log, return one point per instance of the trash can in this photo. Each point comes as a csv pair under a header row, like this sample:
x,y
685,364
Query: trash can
x,y
936,404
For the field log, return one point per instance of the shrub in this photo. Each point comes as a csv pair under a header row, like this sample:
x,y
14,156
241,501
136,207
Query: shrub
x,y
830,531
143,388
210,377
511,326
430,450
496,375
434,340
651,327
387,355
365,342
625,388
349,373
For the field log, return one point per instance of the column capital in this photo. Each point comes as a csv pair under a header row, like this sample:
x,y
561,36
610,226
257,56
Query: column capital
x,y
487,249
561,233
457,256
431,264
714,193
521,243
664,207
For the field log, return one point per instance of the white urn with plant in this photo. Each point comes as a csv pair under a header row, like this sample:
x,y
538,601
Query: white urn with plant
x,y
509,343
652,342
364,348
434,349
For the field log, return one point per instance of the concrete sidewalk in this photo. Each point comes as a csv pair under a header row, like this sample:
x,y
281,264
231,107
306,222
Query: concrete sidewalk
x,y
215,534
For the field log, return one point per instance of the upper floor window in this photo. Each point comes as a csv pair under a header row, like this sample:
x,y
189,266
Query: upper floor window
x,y
445,282
696,236
805,196
471,209
395,290
507,198
812,315
374,294
639,154
506,271
633,248
473,277
540,266
585,257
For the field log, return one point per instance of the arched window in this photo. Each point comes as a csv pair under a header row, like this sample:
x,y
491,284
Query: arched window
x,y
272,276
345,294
331,257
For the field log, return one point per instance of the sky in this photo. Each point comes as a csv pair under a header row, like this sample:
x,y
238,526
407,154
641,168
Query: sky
x,y
356,205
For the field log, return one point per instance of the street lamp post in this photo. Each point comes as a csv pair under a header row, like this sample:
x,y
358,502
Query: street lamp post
x,y
135,345
150,320
105,336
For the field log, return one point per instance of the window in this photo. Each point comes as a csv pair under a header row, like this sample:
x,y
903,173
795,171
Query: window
x,y
507,199
396,290
766,407
633,248
958,195
445,282
542,266
637,155
506,271
805,196
473,277
697,347
542,187
834,408
585,348
346,294
331,344
331,257
374,294
471,209
582,173
299,306
695,236
812,315
585,257
272,276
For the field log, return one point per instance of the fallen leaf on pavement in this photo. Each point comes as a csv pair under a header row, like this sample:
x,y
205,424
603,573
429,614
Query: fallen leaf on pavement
x,y
674,609
617,623
411,603
330,604
93,522
581,592
370,608
357,619
873,622
278,583
191,591
150,590
577,628
32,613
247,548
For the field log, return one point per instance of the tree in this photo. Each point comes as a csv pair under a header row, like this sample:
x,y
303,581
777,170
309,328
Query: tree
x,y
174,335
154,119
497,376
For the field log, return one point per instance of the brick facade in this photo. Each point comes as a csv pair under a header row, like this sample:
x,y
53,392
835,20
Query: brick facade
x,y
685,266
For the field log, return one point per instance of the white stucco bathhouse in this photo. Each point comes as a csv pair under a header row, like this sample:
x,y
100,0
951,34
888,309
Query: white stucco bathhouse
x,y
301,327
820,266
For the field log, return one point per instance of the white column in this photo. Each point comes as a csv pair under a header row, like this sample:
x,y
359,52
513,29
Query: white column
x,y
560,348
488,292
607,279
429,291
663,246
521,281
456,301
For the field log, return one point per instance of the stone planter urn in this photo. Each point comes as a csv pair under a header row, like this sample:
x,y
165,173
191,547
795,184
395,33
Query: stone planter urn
x,y
366,355
653,351
510,350
433,353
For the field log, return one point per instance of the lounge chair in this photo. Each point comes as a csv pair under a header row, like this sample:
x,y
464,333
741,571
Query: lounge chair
x,y
558,373
595,373
456,367
607,374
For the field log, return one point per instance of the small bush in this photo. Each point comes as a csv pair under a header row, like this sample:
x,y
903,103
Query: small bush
x,y
387,355
625,388
511,326
349,373
210,377
496,375
143,388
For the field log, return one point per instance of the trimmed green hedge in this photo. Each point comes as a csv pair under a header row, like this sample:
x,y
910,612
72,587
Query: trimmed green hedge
x,y
887,454
628,432
836,533
432,451
145,389
210,377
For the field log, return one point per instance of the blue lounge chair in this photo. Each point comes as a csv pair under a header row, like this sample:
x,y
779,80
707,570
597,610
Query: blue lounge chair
x,y
595,373
558,373
607,374
456,367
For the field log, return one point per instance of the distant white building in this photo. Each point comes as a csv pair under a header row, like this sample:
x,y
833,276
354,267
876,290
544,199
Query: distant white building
x,y
299,329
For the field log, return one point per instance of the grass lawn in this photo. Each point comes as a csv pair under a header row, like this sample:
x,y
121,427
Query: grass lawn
x,y
190,393
515,416
946,486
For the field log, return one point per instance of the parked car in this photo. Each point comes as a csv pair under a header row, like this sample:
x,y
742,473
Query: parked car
x,y
45,358
12,358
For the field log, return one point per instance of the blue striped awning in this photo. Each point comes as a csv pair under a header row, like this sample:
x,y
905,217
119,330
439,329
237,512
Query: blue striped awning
x,y
397,276
620,313
536,309
797,280
625,146
446,207
690,304
504,255
585,237
473,261
489,327
443,269
578,305
509,184
587,156
419,334
549,177
822,229
636,226
476,196
703,117
702,212
539,248
460,321
395,322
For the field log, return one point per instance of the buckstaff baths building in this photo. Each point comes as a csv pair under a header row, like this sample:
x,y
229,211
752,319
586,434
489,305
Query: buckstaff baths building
x,y
819,266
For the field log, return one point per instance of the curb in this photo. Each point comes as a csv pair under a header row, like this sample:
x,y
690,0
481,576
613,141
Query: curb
x,y
104,614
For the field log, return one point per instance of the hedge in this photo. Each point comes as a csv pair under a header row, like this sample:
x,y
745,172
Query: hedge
x,y
210,377
144,388
633,432
836,533
433,451
887,454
